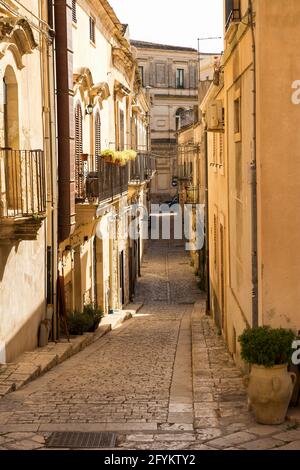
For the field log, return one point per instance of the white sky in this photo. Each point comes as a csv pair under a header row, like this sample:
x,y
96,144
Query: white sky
x,y
175,22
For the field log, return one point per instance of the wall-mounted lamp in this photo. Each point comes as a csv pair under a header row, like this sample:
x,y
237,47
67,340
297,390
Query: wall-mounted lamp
x,y
89,109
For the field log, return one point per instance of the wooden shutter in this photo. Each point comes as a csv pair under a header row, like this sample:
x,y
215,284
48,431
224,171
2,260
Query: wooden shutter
x,y
74,11
221,149
78,149
122,130
97,139
97,133
92,30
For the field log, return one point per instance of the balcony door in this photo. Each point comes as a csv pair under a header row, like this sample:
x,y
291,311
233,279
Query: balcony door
x,y
13,158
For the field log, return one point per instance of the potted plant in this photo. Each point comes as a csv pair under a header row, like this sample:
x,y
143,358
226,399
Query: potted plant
x,y
270,385
108,155
95,314
131,154
79,323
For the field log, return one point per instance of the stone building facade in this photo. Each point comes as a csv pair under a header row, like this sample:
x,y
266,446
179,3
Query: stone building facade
x,y
65,210
251,151
170,75
97,261
28,197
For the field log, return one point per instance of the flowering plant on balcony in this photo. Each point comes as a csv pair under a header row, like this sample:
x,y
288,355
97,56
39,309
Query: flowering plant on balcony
x,y
108,155
117,157
130,154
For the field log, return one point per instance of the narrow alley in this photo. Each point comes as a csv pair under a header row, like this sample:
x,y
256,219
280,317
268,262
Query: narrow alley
x,y
163,380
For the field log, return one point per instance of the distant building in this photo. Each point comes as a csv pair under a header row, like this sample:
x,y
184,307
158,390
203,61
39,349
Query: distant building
x,y
170,74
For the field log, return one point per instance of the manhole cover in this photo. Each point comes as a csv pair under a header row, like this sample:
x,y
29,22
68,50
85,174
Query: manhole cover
x,y
82,440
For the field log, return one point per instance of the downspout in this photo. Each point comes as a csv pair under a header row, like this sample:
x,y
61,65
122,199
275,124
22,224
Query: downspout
x,y
206,254
51,67
253,167
65,117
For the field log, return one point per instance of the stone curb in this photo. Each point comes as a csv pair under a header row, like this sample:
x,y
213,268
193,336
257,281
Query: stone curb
x,y
33,364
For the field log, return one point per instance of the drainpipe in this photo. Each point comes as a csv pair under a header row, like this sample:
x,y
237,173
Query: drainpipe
x,y
253,167
65,117
51,68
206,253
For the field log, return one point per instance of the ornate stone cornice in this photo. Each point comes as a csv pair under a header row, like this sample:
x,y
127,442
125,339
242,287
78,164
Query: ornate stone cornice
x,y
101,90
16,35
121,90
83,81
122,60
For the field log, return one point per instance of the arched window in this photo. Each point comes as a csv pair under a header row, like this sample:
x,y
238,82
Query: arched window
x,y
12,140
78,150
11,109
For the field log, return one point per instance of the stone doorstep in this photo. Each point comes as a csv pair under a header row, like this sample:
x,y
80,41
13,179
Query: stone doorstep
x,y
35,363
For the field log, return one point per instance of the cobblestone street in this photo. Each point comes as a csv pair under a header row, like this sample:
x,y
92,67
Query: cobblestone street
x,y
162,380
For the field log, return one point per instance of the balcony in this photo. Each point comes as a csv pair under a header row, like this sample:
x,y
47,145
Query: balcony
x,y
142,169
98,180
192,195
232,12
22,193
185,171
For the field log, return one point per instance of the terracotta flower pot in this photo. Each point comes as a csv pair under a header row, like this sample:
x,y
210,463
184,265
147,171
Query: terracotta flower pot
x,y
270,390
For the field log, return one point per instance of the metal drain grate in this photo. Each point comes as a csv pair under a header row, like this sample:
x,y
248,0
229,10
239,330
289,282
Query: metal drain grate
x,y
82,440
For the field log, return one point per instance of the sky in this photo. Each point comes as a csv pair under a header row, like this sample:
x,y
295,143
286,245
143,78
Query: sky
x,y
174,22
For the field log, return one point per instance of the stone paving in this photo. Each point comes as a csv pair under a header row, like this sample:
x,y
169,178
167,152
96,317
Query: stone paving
x,y
163,380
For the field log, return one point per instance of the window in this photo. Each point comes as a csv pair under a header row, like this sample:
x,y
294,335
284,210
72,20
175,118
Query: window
x,y
74,11
179,78
214,149
221,149
78,149
215,241
141,70
13,164
232,12
97,133
92,30
237,118
121,129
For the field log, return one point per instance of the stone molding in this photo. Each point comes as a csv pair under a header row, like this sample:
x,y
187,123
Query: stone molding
x,y
17,36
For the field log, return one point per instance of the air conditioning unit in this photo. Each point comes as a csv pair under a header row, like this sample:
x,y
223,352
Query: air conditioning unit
x,y
215,116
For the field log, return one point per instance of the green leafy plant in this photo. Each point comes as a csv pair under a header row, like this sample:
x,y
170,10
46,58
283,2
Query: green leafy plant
x,y
79,323
267,346
94,313
86,321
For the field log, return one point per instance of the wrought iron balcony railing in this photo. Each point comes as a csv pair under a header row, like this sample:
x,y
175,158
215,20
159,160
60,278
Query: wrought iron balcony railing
x,y
185,171
97,179
142,168
192,195
22,183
